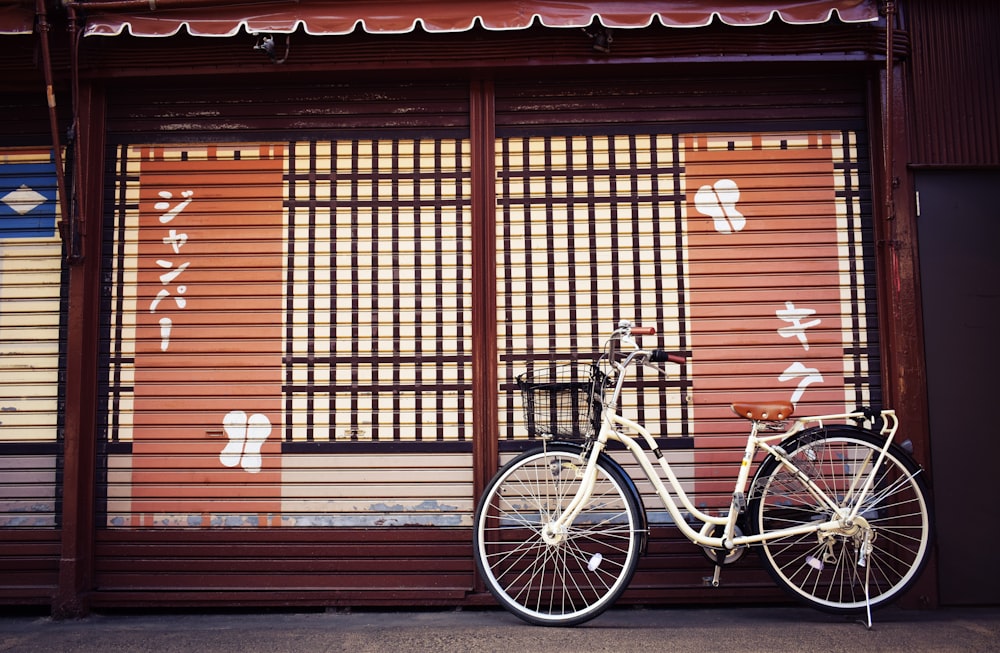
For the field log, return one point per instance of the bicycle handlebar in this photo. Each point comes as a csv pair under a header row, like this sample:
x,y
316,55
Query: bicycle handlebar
x,y
619,359
626,330
663,356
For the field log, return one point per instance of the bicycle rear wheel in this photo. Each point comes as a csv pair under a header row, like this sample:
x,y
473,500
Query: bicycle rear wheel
x,y
832,571
580,576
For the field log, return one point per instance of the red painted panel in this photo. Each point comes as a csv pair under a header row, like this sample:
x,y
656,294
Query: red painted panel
x,y
212,420
765,308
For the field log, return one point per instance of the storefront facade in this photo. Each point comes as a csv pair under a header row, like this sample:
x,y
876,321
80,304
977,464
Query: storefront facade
x,y
272,346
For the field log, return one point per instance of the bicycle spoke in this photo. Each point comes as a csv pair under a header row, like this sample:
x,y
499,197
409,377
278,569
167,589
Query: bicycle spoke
x,y
828,568
571,578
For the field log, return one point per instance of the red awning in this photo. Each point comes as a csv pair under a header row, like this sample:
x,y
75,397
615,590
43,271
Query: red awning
x,y
16,19
318,17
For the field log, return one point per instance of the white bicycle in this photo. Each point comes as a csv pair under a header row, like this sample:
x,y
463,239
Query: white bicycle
x,y
838,511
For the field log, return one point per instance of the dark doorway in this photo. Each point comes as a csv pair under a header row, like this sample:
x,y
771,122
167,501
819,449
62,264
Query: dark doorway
x,y
959,239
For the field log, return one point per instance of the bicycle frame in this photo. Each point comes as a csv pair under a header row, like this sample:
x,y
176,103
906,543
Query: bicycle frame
x,y
613,429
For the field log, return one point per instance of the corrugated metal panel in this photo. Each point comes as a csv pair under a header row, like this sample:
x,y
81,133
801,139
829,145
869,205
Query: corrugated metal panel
x,y
956,82
277,310
287,346
287,320
31,346
586,236
29,565
744,249
31,284
247,567
359,109
224,408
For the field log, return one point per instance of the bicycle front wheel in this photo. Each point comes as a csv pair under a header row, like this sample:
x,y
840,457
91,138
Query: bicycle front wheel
x,y
569,579
875,559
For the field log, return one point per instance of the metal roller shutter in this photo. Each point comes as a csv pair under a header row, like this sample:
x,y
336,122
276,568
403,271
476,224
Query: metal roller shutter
x,y
278,311
287,347
734,245
31,347
748,247
287,317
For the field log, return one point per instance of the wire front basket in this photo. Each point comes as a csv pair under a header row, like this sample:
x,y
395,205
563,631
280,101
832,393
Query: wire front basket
x,y
562,401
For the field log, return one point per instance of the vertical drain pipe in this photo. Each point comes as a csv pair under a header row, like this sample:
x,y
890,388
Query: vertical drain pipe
x,y
888,151
76,180
66,227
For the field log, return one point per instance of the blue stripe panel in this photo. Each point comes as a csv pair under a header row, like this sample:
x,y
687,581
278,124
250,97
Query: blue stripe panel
x,y
27,200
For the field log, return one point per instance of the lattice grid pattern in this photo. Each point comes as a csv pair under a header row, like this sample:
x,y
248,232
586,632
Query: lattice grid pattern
x,y
589,231
378,292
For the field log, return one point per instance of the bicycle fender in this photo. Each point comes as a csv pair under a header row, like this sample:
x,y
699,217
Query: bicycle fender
x,y
793,442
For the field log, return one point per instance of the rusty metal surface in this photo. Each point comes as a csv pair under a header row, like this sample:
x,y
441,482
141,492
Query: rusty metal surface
x,y
956,82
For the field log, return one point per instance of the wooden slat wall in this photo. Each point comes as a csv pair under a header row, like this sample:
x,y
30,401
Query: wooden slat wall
x,y
713,103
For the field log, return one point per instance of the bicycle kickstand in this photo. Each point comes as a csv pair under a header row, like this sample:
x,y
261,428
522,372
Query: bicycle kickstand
x,y
866,548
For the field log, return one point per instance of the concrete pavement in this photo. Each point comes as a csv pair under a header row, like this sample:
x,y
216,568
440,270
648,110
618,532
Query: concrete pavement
x,y
625,630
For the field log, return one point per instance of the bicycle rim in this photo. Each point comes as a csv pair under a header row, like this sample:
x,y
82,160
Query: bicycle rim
x,y
833,571
556,584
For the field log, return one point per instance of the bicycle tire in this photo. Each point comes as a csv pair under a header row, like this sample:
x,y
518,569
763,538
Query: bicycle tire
x,y
823,570
577,579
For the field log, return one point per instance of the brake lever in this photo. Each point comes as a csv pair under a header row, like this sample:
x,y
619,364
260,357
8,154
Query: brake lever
x,y
649,363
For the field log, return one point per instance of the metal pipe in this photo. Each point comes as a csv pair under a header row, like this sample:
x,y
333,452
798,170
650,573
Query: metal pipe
x,y
77,188
890,15
65,221
889,138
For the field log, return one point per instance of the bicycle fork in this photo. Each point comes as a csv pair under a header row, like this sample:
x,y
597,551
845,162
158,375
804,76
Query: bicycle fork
x,y
554,532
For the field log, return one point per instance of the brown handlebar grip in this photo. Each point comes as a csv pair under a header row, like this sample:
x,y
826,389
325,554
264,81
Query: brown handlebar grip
x,y
642,331
660,356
